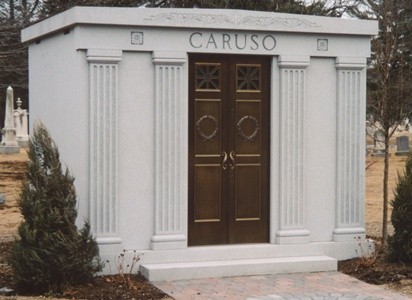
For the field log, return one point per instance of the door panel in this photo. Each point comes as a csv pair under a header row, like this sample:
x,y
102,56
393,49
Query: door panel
x,y
208,120
228,149
207,201
247,192
248,127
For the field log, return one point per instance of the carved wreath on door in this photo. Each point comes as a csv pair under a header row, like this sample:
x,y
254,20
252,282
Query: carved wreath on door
x,y
207,137
240,131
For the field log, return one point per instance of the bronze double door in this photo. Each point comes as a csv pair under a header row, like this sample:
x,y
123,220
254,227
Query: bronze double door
x,y
228,149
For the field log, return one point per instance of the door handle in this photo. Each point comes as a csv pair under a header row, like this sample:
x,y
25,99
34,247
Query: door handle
x,y
224,161
232,156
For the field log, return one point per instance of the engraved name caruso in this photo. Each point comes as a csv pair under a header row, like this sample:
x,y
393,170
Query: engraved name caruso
x,y
232,41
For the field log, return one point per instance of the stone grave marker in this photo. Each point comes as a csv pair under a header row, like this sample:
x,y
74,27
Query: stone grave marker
x,y
402,145
379,144
370,129
21,124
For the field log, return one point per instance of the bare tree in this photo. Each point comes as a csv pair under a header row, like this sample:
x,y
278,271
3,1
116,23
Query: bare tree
x,y
389,76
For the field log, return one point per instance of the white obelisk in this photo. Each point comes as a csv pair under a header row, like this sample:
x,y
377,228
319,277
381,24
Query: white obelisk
x,y
9,140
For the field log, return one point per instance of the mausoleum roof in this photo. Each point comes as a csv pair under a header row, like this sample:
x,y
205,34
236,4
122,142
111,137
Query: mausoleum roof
x,y
240,20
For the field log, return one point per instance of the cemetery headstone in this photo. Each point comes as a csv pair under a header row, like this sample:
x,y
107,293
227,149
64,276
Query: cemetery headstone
x,y
379,144
370,129
402,145
405,122
21,124
9,143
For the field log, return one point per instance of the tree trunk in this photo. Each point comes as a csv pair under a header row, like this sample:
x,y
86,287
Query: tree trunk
x,y
24,11
11,9
385,192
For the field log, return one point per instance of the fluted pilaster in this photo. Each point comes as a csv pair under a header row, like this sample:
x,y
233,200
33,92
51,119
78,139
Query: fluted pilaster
x,y
103,127
292,211
170,230
350,155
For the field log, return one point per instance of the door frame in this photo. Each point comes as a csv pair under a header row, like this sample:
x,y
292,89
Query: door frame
x,y
170,230
265,115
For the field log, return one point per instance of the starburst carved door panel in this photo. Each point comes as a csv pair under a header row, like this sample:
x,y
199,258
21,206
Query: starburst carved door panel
x,y
228,149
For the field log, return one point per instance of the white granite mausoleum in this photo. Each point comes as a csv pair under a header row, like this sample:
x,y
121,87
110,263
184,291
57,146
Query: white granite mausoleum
x,y
115,85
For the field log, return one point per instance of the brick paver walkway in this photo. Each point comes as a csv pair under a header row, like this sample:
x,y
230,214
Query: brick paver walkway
x,y
320,286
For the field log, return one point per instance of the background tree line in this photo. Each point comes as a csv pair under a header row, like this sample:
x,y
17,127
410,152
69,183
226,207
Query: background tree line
x,y
389,73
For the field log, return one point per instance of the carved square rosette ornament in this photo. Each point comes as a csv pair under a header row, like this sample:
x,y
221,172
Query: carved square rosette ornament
x,y
136,38
322,44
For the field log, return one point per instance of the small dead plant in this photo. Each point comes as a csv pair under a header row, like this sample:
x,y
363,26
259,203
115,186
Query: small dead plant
x,y
124,270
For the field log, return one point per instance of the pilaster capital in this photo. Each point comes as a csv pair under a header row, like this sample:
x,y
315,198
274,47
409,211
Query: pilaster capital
x,y
104,56
352,63
293,61
169,58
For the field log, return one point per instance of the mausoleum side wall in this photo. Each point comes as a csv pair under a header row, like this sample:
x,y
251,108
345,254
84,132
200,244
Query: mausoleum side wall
x,y
58,97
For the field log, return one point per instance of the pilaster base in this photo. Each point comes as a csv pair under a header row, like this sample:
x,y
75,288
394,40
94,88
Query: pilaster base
x,y
293,236
351,234
9,149
23,143
168,242
109,244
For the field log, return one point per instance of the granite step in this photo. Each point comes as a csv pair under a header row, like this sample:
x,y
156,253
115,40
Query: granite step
x,y
237,267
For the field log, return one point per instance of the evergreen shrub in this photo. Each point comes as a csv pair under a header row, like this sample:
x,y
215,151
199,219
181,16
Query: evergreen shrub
x,y
50,253
400,244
